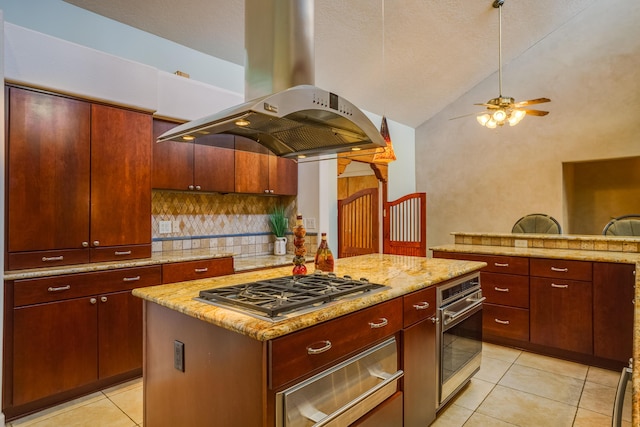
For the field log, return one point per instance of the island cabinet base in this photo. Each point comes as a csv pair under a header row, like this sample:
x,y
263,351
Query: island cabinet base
x,y
223,383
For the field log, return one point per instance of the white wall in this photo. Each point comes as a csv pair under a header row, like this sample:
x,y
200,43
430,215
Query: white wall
x,y
68,22
483,180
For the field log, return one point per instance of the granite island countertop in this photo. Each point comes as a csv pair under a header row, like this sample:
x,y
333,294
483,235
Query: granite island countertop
x,y
582,248
401,274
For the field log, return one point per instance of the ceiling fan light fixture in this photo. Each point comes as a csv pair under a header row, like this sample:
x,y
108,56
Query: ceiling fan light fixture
x,y
491,124
499,115
516,116
483,119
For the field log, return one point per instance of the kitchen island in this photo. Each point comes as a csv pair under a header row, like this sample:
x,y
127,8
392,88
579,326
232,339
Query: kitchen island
x,y
583,249
225,368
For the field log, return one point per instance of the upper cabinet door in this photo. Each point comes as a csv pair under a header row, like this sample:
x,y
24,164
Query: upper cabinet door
x,y
172,160
252,167
48,176
283,176
214,164
120,177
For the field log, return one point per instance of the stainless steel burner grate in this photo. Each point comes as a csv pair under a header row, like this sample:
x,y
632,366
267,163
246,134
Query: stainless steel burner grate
x,y
274,297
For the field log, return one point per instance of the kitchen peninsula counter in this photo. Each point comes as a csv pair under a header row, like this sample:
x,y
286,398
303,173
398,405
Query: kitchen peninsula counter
x,y
401,274
625,250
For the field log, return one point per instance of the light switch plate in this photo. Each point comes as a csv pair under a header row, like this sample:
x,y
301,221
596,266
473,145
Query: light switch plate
x,y
165,227
309,223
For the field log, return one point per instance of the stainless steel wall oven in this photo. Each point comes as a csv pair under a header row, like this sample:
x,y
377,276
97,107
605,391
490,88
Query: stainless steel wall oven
x,y
460,339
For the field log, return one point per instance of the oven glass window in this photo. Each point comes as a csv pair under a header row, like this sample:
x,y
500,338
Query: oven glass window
x,y
460,344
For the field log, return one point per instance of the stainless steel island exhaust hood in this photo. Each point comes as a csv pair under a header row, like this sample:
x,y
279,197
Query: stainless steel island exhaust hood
x,y
287,114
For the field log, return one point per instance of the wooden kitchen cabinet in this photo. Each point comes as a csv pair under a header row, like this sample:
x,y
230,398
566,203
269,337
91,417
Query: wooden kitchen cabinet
x,y
206,166
613,307
420,357
561,314
66,334
54,349
259,172
505,284
120,184
48,179
199,269
79,186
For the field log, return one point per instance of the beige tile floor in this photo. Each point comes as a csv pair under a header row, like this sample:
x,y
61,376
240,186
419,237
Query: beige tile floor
x,y
512,388
119,406
517,388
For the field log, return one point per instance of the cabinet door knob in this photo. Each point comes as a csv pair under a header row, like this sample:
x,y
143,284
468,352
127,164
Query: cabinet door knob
x,y
434,319
198,187
93,300
96,243
85,244
266,191
103,299
191,187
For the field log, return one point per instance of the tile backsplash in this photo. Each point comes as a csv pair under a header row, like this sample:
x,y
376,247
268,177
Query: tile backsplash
x,y
234,223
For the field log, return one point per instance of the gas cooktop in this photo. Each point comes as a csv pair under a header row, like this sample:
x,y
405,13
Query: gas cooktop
x,y
273,298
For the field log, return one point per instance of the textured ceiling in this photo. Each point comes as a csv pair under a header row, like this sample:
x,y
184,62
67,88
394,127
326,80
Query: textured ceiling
x,y
433,51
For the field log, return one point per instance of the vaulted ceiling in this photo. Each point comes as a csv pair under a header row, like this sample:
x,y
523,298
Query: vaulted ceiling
x,y
433,51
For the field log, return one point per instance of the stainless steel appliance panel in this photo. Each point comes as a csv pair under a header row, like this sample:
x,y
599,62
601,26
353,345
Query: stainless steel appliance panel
x,y
344,393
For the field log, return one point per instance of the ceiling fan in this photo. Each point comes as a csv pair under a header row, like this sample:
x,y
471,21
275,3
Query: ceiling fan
x,y
504,109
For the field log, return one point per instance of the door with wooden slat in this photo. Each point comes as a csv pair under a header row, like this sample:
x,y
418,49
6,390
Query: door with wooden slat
x,y
358,224
405,225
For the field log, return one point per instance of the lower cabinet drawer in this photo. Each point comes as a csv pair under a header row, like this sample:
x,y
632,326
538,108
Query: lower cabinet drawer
x,y
506,289
419,305
200,269
306,351
505,322
57,288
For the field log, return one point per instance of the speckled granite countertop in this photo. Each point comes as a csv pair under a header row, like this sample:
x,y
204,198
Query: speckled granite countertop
x,y
402,274
589,254
239,263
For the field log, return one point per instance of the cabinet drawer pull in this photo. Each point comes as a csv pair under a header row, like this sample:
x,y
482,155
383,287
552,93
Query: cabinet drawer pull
x,y
60,288
502,322
554,285
131,279
383,322
501,289
52,258
122,252
561,270
201,270
497,264
326,345
421,306
103,299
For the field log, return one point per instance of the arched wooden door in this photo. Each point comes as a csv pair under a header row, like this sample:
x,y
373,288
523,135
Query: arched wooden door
x,y
358,224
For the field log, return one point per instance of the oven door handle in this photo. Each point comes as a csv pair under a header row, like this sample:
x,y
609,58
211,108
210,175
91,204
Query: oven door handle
x,y
453,316
359,399
619,400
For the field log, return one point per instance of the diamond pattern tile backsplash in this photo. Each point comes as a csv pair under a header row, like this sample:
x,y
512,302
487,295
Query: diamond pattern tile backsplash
x,y
234,223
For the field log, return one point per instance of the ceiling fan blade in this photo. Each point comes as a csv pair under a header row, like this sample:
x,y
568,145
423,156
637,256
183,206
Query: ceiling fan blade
x,y
488,105
531,102
536,112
